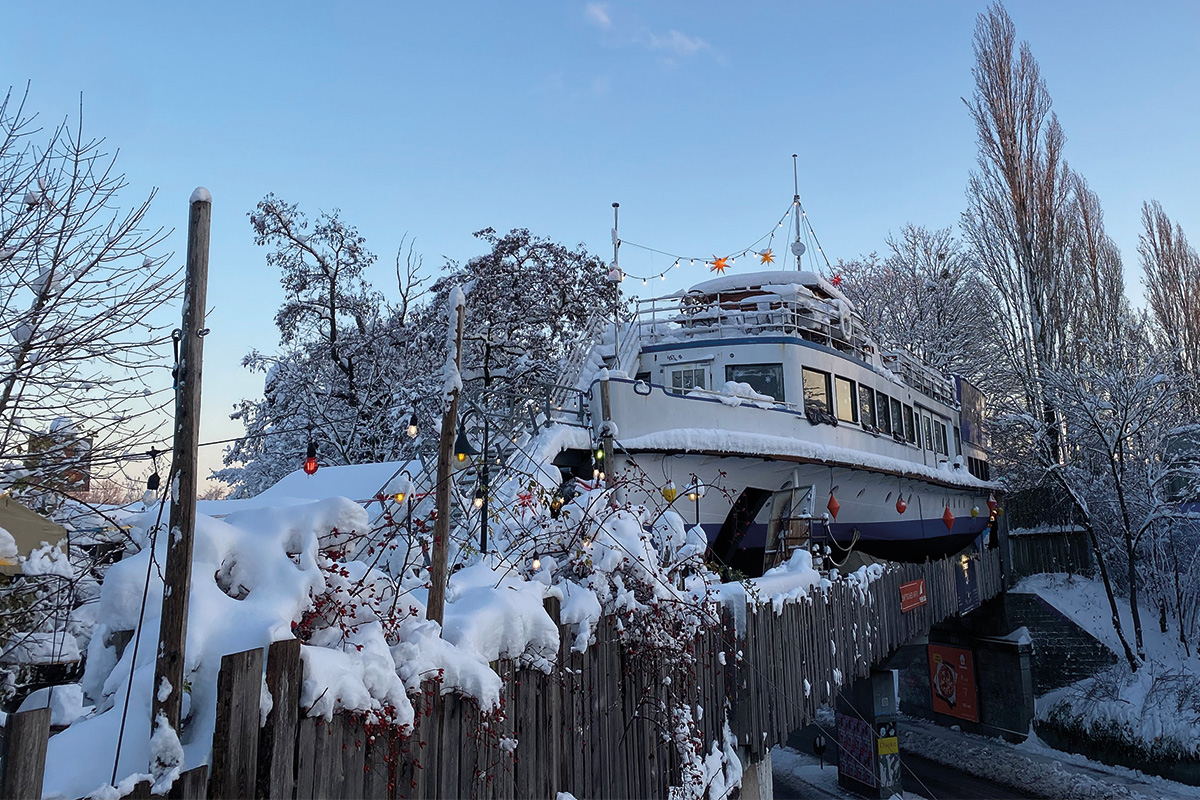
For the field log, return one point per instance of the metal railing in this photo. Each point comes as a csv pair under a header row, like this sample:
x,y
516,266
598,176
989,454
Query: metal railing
x,y
689,317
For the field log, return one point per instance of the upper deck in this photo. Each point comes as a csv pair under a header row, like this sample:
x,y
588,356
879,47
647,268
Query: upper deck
x,y
765,306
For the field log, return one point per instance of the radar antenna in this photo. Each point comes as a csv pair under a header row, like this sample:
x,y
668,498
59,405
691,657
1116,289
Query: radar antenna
x,y
797,246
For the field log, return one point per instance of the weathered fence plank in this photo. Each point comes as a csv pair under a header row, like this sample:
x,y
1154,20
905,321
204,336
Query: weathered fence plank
x,y
190,785
235,739
277,741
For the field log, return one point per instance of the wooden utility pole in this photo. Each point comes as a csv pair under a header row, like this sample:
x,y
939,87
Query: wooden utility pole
x,y
177,579
436,608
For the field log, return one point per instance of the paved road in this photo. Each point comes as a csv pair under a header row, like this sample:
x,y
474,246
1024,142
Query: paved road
x,y
938,782
798,776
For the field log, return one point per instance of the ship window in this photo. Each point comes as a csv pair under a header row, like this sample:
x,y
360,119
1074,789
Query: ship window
x,y
847,408
897,418
910,428
763,378
957,441
928,434
883,413
939,438
686,377
866,405
816,391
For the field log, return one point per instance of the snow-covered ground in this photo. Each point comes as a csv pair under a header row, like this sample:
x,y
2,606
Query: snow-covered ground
x,y
1084,602
1158,706
1036,767
798,775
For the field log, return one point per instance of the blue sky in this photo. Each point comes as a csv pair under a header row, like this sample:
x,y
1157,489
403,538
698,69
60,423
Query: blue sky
x,y
436,120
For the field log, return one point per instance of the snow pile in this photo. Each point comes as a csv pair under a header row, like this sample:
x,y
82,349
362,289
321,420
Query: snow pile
x,y
452,382
254,575
8,545
734,393
787,583
47,560
1033,767
65,702
713,440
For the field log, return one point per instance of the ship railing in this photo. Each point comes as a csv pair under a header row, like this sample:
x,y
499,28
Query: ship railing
x,y
921,377
677,317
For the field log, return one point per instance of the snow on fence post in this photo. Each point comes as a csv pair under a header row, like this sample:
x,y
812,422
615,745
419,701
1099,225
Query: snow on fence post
x,y
235,739
277,741
24,765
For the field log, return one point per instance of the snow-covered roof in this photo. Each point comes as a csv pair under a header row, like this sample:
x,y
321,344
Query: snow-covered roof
x,y
757,280
359,482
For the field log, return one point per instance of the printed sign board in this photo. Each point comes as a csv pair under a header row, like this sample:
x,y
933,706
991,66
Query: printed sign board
x,y
967,579
912,595
856,746
952,682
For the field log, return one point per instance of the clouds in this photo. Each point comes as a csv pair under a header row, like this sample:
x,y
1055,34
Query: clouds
x,y
597,14
672,46
677,45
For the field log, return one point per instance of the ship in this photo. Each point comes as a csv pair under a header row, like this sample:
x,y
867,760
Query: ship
x,y
758,406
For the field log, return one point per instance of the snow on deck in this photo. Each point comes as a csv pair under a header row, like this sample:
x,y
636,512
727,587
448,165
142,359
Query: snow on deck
x,y
698,440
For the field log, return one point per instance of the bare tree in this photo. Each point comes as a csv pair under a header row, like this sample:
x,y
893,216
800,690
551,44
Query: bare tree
x,y
926,297
1101,306
1172,287
1019,210
1122,407
84,367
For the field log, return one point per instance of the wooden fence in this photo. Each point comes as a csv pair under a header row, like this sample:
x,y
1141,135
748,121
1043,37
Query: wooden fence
x,y
1064,550
598,725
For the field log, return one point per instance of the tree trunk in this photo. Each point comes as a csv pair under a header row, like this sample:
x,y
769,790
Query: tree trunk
x,y
1112,599
1178,590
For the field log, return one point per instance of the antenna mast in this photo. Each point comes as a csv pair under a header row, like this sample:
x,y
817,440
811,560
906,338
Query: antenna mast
x,y
797,246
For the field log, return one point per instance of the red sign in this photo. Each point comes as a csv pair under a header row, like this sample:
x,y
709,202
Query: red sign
x,y
912,595
952,682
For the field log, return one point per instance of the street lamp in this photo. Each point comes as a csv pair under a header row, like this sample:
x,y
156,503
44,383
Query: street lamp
x,y
404,496
463,449
694,493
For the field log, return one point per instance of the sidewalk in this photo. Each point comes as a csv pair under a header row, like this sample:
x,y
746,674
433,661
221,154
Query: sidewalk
x,y
1035,767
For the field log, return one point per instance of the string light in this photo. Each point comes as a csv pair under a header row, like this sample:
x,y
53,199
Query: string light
x,y
679,259
310,459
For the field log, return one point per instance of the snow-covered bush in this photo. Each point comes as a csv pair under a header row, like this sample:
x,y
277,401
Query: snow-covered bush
x,y
1154,711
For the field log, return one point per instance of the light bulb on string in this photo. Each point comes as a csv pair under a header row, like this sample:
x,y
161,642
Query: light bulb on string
x,y
310,459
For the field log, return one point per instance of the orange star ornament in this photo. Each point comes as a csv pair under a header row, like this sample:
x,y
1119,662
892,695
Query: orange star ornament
x,y
719,265
767,257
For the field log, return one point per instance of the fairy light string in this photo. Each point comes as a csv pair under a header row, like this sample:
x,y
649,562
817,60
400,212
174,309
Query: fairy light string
x,y
757,248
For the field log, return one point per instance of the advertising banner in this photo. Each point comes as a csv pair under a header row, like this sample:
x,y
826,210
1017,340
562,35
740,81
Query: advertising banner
x,y
952,682
912,595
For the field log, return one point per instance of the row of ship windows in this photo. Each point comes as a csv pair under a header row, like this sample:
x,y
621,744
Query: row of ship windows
x,y
875,411
823,394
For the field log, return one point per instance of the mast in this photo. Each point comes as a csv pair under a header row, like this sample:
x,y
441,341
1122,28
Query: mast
x,y
797,246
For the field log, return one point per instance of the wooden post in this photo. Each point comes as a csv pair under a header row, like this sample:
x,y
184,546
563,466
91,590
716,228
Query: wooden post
x,y
436,607
178,576
27,734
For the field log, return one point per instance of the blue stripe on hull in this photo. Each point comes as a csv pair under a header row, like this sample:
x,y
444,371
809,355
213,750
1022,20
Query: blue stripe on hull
x,y
907,540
